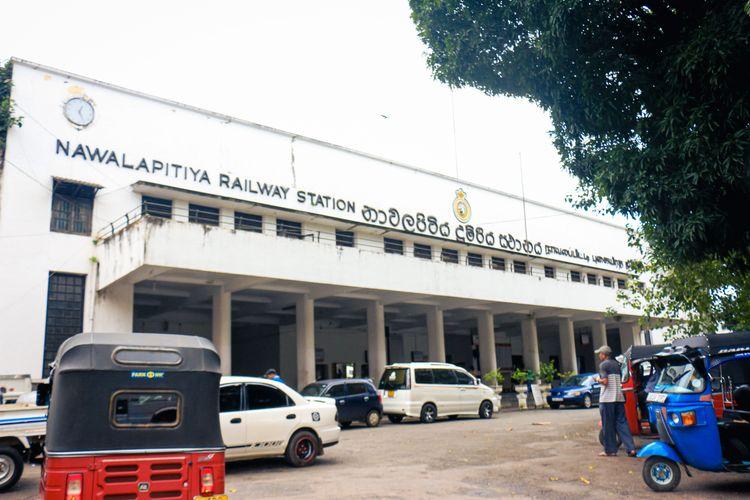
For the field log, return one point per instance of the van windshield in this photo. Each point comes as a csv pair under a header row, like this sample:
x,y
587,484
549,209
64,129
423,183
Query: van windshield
x,y
394,379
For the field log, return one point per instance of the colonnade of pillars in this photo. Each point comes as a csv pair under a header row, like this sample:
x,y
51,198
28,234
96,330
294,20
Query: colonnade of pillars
x,y
115,312
376,341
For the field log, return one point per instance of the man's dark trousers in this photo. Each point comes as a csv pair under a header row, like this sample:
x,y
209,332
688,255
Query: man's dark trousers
x,y
614,422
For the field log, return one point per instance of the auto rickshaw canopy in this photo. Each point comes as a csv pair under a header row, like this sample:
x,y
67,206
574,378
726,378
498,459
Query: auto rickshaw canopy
x,y
134,393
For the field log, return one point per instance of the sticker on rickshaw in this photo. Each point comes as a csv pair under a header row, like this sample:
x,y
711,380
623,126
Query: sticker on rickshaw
x,y
213,497
656,397
147,374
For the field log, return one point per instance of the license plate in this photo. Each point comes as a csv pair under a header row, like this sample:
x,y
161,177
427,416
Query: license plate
x,y
213,497
391,393
557,399
656,397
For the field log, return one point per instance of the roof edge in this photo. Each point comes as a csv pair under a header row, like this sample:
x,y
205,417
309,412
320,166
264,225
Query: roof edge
x,y
311,140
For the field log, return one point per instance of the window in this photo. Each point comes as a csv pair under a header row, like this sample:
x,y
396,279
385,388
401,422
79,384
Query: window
x,y
230,398
444,377
475,259
393,246
422,251
248,222
264,397
422,376
337,391
591,279
463,378
156,207
497,263
575,276
620,283
549,272
146,409
357,388
288,229
519,267
72,207
607,281
65,294
395,378
344,238
203,215
449,255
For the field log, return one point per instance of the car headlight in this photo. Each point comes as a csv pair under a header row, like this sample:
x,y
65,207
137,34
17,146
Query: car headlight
x,y
574,393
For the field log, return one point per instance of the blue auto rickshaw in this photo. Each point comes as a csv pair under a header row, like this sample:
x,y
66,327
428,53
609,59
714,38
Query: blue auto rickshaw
x,y
702,404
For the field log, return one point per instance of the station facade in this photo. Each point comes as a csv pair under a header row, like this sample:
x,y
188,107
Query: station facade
x,y
124,212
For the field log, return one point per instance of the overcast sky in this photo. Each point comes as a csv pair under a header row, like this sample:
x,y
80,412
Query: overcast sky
x,y
351,72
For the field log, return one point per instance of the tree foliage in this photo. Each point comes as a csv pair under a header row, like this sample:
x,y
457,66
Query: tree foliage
x,y
649,100
692,298
7,118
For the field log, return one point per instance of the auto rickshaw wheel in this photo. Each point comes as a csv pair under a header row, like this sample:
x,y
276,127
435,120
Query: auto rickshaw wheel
x,y
302,449
11,467
661,474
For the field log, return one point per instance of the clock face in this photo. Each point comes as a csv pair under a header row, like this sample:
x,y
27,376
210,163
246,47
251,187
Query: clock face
x,y
79,111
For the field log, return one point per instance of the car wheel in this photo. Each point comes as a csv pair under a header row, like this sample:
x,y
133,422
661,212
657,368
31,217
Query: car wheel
x,y
485,409
11,467
587,401
302,449
345,425
661,474
429,413
554,406
373,418
395,419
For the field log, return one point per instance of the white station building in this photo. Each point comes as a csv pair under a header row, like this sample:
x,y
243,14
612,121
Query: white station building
x,y
124,212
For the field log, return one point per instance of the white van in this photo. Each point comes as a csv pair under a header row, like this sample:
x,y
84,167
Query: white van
x,y
429,390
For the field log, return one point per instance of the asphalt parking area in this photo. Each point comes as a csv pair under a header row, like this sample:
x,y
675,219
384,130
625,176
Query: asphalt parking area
x,y
529,454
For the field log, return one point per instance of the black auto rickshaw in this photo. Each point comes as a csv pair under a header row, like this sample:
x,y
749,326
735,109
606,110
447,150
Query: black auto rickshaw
x,y
134,416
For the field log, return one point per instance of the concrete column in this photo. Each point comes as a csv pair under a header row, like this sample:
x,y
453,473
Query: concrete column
x,y
568,361
305,341
630,335
376,355
486,331
435,335
599,338
221,328
530,344
113,309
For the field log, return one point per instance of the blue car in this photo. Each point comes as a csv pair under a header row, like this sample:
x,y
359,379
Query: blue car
x,y
579,390
356,399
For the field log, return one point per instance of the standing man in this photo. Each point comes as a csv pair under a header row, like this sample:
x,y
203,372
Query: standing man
x,y
612,405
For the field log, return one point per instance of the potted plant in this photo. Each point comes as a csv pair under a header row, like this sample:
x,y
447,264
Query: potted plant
x,y
494,379
521,379
547,373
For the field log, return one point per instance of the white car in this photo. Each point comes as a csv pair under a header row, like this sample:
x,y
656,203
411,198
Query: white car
x,y
262,418
430,390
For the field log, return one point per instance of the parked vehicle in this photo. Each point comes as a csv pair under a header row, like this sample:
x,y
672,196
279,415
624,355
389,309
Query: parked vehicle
x,y
690,433
639,377
356,399
14,386
430,390
263,418
22,429
134,416
577,390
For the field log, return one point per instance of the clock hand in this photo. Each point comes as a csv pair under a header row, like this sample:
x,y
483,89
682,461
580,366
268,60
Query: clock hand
x,y
80,112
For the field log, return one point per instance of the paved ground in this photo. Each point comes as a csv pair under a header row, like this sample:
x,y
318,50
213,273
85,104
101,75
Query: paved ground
x,y
508,456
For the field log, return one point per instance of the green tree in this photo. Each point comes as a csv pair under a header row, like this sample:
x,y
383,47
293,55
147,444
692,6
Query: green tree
x,y
7,118
649,100
650,105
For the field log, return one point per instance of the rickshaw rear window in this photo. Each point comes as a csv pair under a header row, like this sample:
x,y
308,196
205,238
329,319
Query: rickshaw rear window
x,y
146,409
144,356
